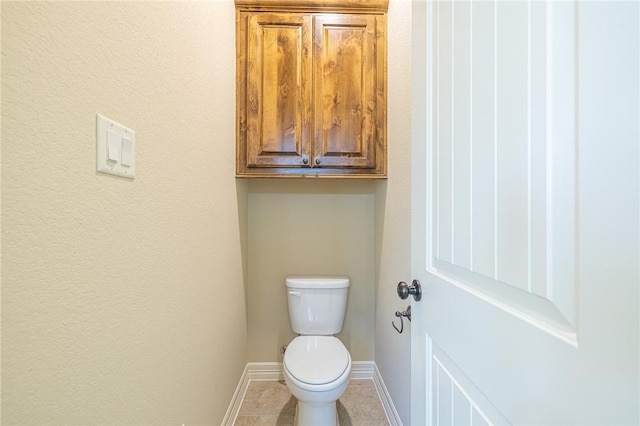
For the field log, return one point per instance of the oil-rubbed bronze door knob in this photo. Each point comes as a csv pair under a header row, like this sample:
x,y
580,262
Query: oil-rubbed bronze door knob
x,y
404,290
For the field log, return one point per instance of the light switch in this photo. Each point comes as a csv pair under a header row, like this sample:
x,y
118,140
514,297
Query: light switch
x,y
115,148
113,142
126,151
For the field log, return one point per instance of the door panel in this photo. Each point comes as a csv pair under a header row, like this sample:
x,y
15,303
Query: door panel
x,y
459,402
503,213
497,198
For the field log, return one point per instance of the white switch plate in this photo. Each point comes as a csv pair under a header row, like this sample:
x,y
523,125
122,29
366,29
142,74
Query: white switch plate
x,y
115,148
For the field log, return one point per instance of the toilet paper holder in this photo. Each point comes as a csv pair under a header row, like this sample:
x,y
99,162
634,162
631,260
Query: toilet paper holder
x,y
402,314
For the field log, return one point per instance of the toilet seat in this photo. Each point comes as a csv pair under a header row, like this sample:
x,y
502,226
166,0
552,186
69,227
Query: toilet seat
x,y
316,360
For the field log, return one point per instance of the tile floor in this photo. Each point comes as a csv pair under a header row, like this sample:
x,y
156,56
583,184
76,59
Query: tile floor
x,y
271,403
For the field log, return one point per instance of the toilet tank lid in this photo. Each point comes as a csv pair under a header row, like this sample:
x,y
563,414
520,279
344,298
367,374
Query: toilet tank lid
x,y
317,282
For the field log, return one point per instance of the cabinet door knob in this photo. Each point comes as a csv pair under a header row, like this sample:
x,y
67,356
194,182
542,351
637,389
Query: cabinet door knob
x,y
305,160
318,161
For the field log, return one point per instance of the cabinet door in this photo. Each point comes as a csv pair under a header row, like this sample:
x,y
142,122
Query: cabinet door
x,y
349,128
278,90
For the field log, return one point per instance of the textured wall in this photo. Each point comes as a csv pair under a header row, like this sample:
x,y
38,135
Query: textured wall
x,y
122,301
393,217
312,227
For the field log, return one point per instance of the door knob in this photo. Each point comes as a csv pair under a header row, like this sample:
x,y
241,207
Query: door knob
x,y
404,290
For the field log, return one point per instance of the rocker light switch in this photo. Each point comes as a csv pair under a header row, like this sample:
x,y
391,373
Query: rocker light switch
x,y
113,140
127,147
115,148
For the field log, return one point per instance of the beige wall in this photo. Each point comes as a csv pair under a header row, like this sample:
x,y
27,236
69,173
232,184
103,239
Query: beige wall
x,y
313,227
393,217
122,301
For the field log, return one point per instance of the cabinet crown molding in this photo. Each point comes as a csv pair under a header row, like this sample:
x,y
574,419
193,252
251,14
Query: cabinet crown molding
x,y
369,6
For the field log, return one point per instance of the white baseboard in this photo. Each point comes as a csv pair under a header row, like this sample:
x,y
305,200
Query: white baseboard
x,y
236,400
385,398
272,371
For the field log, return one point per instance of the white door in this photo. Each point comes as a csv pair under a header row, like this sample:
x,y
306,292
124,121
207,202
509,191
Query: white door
x,y
526,212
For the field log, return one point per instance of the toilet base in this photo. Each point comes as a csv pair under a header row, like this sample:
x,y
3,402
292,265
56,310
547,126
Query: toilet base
x,y
317,403
316,414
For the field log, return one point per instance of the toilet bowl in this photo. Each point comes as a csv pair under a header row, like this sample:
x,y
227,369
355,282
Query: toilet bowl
x,y
316,364
316,370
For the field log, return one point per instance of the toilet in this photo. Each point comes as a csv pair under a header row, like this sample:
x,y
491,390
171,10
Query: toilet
x,y
316,364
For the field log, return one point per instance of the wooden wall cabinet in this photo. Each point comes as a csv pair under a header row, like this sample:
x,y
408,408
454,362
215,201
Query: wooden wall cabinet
x,y
311,88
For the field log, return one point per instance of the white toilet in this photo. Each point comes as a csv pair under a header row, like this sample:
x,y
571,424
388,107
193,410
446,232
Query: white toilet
x,y
316,364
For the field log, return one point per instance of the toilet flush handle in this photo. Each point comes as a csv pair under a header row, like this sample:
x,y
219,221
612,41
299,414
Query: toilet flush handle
x,y
295,293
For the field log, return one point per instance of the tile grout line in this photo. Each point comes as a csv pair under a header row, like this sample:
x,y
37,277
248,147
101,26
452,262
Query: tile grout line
x,y
275,389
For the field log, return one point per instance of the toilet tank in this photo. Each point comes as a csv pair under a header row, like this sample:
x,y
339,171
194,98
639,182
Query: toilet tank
x,y
317,304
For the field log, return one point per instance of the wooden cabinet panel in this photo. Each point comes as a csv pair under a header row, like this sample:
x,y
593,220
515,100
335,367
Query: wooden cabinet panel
x,y
278,83
311,91
345,97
